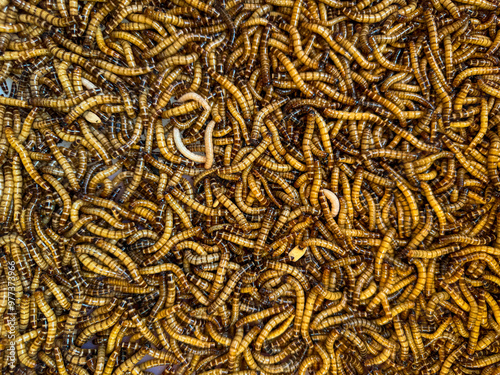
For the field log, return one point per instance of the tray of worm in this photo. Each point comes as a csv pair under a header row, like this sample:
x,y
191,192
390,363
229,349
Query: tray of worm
x,y
249,187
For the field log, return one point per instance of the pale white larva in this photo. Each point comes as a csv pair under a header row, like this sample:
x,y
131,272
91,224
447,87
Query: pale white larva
x,y
332,197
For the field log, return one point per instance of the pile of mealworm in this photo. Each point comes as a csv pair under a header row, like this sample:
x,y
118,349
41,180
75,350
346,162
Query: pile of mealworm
x,y
249,187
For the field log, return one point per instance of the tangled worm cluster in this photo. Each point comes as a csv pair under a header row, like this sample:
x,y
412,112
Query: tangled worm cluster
x,y
249,187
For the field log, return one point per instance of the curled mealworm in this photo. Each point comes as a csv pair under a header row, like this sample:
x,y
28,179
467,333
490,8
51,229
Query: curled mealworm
x,y
197,98
184,150
332,197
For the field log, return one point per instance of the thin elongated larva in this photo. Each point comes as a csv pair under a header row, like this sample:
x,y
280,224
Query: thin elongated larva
x,y
25,159
209,148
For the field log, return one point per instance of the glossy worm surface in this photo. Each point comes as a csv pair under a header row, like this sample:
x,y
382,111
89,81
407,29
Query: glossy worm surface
x,y
249,187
